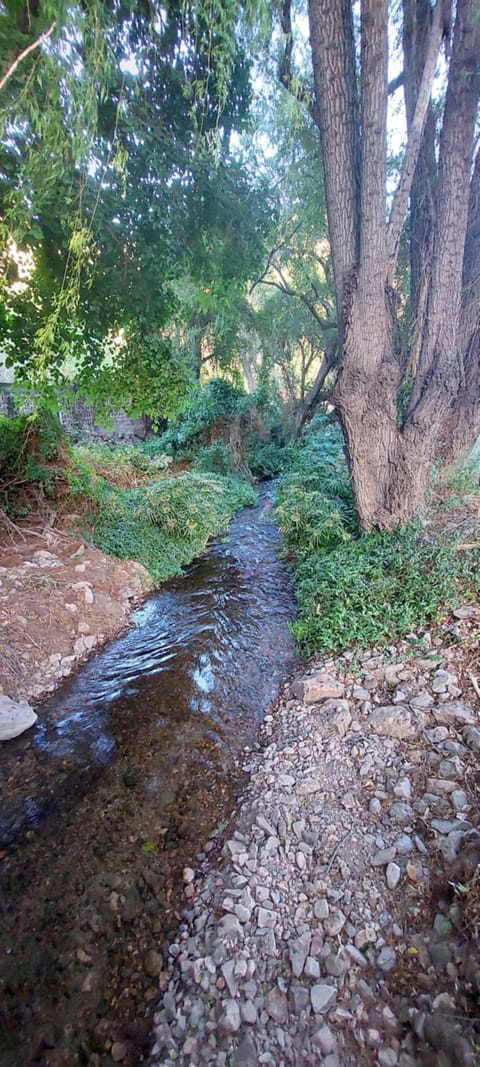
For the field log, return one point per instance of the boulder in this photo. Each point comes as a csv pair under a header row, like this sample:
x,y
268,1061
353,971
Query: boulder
x,y
15,717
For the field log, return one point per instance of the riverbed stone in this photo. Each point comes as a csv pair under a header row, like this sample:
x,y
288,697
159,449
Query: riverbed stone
x,y
316,687
229,1021
322,997
392,721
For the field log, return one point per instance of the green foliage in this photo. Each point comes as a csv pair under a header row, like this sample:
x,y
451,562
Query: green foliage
x,y
217,402
361,590
216,458
266,458
165,525
29,444
378,588
314,507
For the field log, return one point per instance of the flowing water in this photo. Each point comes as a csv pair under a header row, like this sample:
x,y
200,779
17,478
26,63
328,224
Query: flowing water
x,y
127,775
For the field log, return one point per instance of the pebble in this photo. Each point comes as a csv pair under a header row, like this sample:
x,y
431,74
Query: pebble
x,y
322,997
393,874
309,898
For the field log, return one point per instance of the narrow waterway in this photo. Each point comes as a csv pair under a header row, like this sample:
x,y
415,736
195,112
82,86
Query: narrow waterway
x,y
130,771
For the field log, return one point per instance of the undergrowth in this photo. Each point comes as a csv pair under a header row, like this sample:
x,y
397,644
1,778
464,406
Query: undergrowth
x,y
127,503
358,590
165,525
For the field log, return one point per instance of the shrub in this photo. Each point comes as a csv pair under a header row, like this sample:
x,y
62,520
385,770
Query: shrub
x,y
379,587
315,508
266,458
166,524
216,458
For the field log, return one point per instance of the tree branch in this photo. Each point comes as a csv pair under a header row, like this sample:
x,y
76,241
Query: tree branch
x,y
285,74
23,55
402,193
396,83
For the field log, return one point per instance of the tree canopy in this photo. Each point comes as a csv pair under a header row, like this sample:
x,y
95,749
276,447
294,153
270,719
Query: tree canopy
x,y
191,191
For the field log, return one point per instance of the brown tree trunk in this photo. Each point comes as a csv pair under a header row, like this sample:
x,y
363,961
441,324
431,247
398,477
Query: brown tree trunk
x,y
388,458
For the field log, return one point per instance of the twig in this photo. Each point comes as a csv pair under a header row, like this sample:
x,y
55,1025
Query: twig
x,y
11,526
26,52
467,545
337,850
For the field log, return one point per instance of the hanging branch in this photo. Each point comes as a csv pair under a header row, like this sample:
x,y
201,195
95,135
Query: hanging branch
x,y
23,55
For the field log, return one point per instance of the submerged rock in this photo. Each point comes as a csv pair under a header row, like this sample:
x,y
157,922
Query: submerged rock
x,y
15,717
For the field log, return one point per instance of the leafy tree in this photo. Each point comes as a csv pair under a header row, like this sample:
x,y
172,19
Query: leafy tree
x,y
400,405
147,222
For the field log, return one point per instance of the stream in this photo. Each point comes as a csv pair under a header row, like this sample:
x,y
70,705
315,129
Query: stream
x,y
129,774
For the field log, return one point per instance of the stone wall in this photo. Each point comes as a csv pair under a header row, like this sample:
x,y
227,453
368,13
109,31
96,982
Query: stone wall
x,y
78,419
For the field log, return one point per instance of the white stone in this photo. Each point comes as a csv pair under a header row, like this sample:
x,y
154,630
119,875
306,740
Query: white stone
x,y
15,717
393,875
322,997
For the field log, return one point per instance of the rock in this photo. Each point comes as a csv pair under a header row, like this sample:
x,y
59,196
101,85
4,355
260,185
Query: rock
x,y
325,1040
459,799
188,875
118,1051
246,1053
421,701
393,875
298,952
401,812
312,968
455,712
153,963
15,717
467,611
229,928
276,1005
441,681
266,918
248,1013
404,844
321,909
342,720
319,686
386,958
322,997
387,1057
403,789
384,856
229,1021
392,721
471,737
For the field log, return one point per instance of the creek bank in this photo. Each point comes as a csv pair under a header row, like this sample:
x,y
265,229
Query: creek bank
x,y
340,924
59,600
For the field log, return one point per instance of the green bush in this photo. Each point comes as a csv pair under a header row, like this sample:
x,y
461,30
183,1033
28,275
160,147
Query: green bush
x,y
314,506
217,401
165,525
266,458
379,588
29,445
357,590
216,458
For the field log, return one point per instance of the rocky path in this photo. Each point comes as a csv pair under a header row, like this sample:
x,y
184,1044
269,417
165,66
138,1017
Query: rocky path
x,y
340,924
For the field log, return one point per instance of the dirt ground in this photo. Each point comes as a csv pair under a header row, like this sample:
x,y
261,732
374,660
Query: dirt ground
x,y
59,600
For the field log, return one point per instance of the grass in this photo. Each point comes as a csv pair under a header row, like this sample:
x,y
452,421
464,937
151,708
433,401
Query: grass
x,y
357,590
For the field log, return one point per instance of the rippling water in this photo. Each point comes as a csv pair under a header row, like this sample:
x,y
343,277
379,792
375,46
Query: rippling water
x,y
127,772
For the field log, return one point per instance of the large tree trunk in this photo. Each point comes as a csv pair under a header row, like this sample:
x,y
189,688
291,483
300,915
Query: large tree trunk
x,y
389,457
